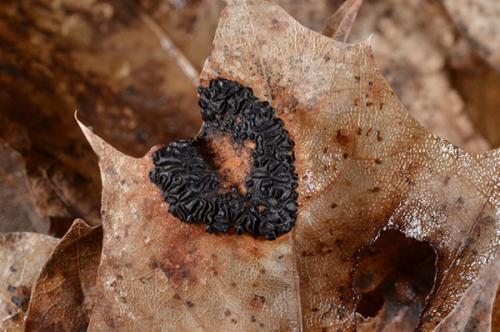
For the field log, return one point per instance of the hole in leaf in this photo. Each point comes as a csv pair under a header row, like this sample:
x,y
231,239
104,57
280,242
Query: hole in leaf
x,y
394,277
370,304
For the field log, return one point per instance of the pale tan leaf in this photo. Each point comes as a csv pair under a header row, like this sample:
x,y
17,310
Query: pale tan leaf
x,y
474,310
412,42
22,257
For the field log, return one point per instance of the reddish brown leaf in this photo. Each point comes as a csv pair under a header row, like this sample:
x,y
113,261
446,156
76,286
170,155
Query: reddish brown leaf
x,y
156,271
64,293
22,257
364,165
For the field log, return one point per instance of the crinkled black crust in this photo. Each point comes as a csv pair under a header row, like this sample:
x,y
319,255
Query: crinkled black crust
x,y
192,188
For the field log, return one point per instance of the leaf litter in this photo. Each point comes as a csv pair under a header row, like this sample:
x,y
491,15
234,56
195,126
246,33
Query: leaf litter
x,y
373,186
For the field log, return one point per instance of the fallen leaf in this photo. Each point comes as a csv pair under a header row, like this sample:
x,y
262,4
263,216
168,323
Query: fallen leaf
x,y
62,176
364,166
412,42
496,311
474,310
20,213
190,25
23,256
156,271
478,21
63,295
359,151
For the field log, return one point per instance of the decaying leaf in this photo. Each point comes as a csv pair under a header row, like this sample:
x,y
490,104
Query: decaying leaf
x,y
478,21
157,271
475,309
64,293
20,213
365,166
190,25
411,41
62,177
22,257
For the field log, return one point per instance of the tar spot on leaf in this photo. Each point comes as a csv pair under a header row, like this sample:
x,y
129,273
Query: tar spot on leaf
x,y
191,186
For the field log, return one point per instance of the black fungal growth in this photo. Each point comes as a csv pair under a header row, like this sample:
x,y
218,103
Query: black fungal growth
x,y
192,188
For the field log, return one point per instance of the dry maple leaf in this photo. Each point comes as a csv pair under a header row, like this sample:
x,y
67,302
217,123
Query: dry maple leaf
x,y
365,166
22,257
63,295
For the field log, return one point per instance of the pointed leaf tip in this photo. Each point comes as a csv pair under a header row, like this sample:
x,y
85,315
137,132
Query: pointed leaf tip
x,y
99,145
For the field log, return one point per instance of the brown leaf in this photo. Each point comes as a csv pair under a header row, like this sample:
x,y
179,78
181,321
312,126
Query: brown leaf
x,y
22,257
62,176
475,309
190,25
64,293
364,166
496,311
386,171
156,271
412,42
20,213
478,21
